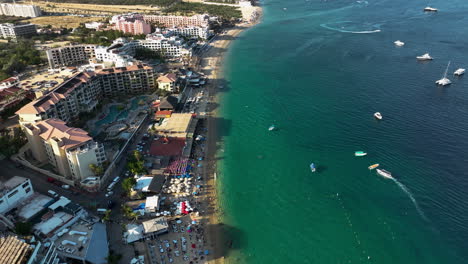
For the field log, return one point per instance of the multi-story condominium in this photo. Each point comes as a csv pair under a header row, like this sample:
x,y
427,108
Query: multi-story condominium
x,y
177,21
78,94
171,47
70,55
114,56
191,32
133,27
123,80
13,191
167,82
131,24
69,150
20,10
82,92
14,31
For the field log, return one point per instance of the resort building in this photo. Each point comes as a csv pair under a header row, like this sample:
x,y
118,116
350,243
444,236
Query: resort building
x,y
20,10
167,82
82,92
69,150
130,24
137,78
171,47
70,55
177,21
114,56
201,32
14,31
14,191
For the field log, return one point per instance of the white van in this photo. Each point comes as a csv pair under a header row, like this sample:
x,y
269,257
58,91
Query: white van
x,y
101,210
52,193
111,186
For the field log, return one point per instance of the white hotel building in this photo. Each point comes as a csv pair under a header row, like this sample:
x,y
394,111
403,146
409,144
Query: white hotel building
x,y
13,191
20,10
191,32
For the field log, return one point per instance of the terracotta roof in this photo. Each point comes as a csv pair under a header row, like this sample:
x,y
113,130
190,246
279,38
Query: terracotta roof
x,y
43,104
11,79
163,113
56,128
134,67
170,77
167,147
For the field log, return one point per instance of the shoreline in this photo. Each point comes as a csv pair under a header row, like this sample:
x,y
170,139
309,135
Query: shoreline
x,y
213,60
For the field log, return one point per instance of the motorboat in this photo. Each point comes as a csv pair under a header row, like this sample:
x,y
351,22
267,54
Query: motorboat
x,y
459,72
373,166
312,167
399,43
430,9
424,57
271,128
378,115
360,153
444,81
384,173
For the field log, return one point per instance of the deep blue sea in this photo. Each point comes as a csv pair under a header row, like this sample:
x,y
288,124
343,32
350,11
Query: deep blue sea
x,y
318,70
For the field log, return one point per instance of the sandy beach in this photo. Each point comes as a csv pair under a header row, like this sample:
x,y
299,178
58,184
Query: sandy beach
x,y
211,64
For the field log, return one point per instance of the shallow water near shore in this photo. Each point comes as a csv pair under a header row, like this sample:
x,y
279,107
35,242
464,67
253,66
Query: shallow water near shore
x,y
318,70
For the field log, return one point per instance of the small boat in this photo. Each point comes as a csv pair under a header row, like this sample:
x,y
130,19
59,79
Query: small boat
x,y
424,57
444,81
459,72
378,115
399,43
430,9
384,173
360,153
373,166
312,167
271,128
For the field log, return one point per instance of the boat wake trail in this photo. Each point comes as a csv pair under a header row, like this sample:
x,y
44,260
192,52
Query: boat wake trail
x,y
351,27
410,195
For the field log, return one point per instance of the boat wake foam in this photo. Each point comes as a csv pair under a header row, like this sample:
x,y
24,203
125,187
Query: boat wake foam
x,y
350,27
410,195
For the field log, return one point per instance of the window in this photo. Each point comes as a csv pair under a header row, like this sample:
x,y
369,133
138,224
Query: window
x,y
12,194
27,190
26,184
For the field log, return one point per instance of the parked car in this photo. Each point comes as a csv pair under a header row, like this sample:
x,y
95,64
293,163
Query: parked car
x,y
66,186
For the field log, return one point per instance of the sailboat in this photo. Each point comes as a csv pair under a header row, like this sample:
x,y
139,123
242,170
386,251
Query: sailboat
x,y
312,167
444,81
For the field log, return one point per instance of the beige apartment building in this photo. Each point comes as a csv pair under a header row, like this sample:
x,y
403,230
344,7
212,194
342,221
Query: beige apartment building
x,y
70,55
82,92
69,150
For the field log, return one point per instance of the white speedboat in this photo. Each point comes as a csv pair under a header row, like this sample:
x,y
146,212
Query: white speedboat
x,y
384,173
399,43
271,128
430,9
459,72
378,115
444,81
424,57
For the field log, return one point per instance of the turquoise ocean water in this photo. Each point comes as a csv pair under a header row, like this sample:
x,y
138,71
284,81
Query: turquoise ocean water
x,y
316,71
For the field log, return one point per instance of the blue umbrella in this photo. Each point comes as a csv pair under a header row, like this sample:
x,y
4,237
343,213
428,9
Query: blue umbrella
x,y
207,252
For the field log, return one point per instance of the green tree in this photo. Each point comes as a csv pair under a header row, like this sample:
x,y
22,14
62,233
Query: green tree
x,y
128,212
113,258
127,185
23,228
106,216
97,170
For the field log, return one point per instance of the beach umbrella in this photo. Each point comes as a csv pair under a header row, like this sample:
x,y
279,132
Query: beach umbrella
x,y
179,221
194,222
207,252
